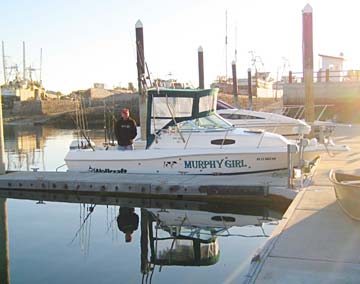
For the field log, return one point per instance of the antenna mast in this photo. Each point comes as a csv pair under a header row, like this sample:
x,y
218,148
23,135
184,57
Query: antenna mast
x,y
226,43
40,65
235,43
4,63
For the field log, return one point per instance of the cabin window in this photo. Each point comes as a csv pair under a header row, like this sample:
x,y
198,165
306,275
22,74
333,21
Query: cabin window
x,y
223,141
223,218
210,122
172,106
239,116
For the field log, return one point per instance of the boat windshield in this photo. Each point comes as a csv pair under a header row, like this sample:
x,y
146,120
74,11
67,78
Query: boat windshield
x,y
211,122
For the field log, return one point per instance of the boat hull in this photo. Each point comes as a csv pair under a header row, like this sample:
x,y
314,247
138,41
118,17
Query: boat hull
x,y
176,161
347,190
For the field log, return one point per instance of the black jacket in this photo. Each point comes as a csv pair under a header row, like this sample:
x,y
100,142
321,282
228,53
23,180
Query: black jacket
x,y
128,220
125,131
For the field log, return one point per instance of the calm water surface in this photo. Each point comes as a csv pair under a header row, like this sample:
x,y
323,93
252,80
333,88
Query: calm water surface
x,y
83,240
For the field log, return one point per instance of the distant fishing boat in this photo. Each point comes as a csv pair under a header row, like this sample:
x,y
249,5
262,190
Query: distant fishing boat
x,y
347,190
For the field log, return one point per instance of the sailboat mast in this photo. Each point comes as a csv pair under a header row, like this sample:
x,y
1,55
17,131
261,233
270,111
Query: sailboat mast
x,y
226,43
4,63
40,65
24,67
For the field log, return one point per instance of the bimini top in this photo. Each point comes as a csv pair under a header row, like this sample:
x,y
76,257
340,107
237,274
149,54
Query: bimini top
x,y
166,107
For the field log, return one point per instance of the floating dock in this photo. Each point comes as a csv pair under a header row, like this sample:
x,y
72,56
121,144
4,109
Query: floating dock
x,y
315,242
270,187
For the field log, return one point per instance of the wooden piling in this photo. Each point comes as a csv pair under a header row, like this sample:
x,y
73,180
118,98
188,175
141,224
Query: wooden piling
x,y
327,76
4,244
249,90
308,63
235,85
141,77
201,67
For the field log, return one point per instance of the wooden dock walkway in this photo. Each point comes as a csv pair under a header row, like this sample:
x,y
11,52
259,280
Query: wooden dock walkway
x,y
316,242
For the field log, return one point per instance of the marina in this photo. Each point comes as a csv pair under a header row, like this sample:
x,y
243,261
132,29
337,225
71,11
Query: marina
x,y
315,204
174,179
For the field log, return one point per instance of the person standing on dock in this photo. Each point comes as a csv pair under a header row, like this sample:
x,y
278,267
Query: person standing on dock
x,y
125,131
128,222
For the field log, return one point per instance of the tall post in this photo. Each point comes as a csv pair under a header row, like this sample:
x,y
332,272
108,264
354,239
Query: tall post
x,y
290,77
4,244
24,67
235,85
308,64
201,67
2,145
144,242
4,62
141,77
327,75
249,90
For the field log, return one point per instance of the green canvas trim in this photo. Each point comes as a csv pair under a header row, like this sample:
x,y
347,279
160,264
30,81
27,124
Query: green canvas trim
x,y
195,94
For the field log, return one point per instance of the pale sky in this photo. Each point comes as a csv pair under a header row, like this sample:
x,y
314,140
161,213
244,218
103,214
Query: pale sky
x,y
89,41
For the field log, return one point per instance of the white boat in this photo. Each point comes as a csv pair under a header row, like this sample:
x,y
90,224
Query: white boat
x,y
287,126
193,139
267,121
347,190
190,238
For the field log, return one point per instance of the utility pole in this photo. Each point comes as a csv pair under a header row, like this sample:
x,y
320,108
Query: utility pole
x,y
308,64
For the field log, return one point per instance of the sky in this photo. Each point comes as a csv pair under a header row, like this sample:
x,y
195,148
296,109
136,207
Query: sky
x,y
87,41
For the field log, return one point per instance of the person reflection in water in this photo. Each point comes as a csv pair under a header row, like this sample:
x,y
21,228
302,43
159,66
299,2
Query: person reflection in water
x,y
128,222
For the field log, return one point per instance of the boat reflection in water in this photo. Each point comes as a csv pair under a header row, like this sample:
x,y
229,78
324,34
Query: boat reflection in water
x,y
190,237
172,232
30,147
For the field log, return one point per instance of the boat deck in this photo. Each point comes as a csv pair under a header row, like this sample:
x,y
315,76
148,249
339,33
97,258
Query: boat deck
x,y
316,242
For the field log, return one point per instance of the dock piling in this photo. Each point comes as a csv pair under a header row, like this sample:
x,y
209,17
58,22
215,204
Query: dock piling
x,y
308,63
201,67
235,85
141,77
249,90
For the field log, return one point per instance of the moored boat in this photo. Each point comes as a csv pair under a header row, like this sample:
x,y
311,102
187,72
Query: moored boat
x,y
347,190
271,122
186,136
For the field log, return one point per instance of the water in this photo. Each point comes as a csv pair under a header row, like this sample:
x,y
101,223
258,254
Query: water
x,y
79,241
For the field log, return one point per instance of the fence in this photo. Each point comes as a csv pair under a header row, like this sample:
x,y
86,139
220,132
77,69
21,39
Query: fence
x,y
325,76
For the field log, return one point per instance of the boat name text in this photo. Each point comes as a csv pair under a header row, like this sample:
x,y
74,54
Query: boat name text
x,y
205,164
